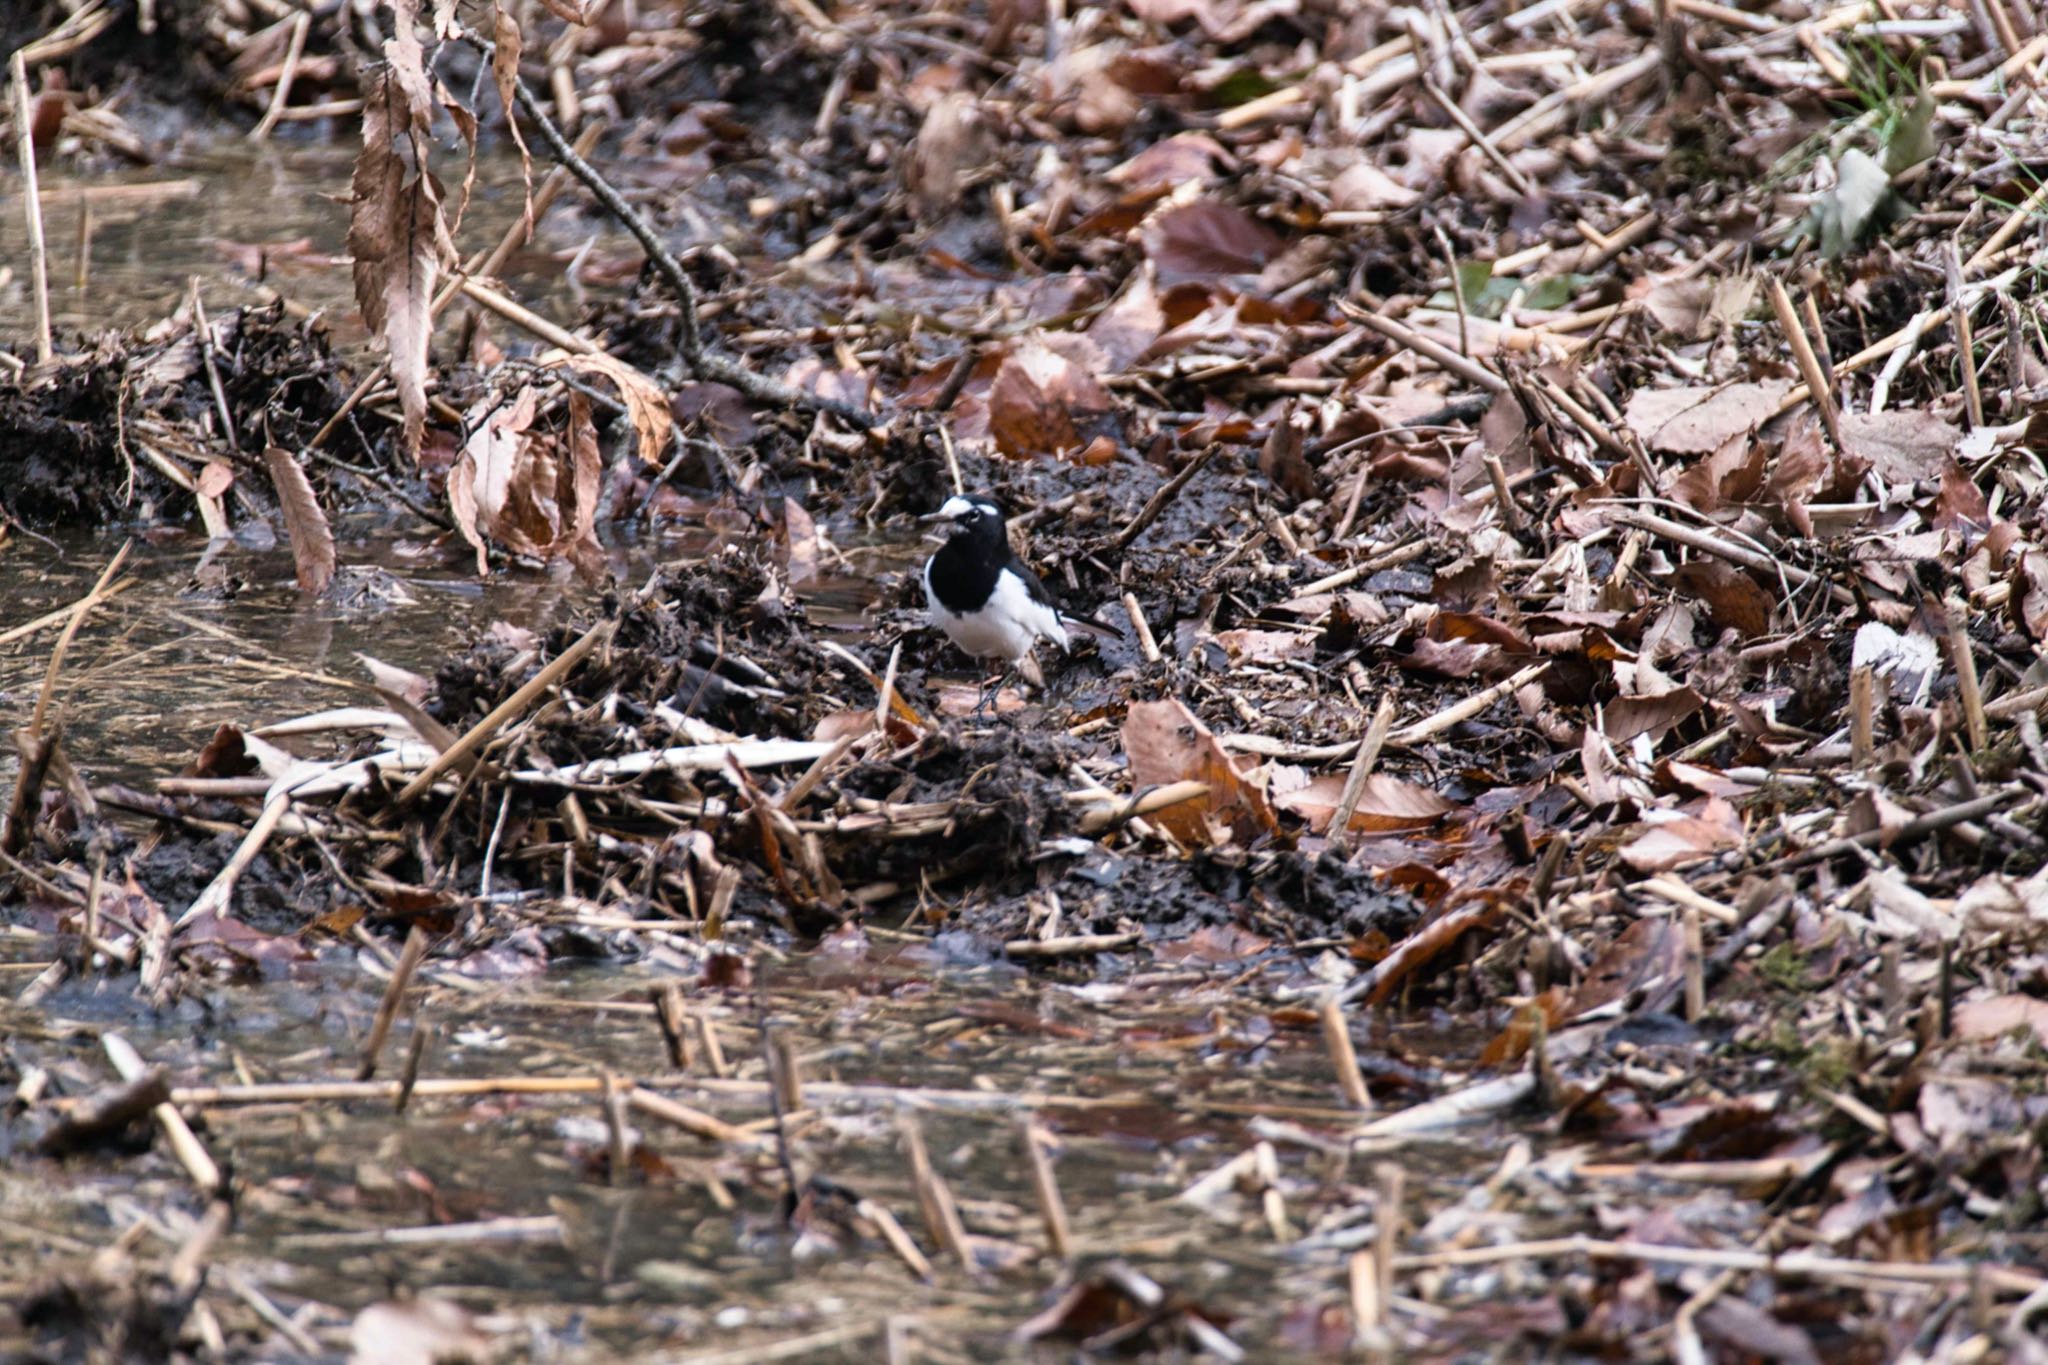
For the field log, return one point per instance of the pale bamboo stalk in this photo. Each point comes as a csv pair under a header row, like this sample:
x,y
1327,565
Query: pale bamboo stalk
x,y
32,201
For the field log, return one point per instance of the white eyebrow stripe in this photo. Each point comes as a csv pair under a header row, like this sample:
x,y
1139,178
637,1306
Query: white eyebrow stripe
x,y
955,507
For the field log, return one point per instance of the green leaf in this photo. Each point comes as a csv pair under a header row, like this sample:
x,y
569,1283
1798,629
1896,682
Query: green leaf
x,y
1243,86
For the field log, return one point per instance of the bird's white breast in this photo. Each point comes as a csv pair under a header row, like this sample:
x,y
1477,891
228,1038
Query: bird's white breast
x,y
1006,628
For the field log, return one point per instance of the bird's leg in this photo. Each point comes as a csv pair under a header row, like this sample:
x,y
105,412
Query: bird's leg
x,y
990,690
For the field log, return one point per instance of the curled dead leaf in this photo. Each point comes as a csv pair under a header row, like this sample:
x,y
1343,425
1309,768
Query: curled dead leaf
x,y
1385,803
1167,743
305,525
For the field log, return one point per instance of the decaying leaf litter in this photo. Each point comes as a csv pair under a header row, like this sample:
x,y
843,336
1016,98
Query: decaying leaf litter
x,y
1582,458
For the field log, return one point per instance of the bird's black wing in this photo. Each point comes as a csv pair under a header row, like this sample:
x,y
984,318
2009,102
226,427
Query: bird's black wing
x,y
1036,589
1032,586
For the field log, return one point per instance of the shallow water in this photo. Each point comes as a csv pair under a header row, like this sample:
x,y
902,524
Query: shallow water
x,y
249,222
1155,1081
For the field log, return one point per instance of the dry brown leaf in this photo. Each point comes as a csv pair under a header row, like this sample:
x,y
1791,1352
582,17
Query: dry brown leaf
x,y
585,487
1364,187
646,403
1668,843
719,411
1998,1015
1901,446
1166,743
1281,458
1731,475
1041,402
1694,421
1733,599
1184,158
305,525
952,143
507,41
1126,329
1385,803
1205,239
1085,80
1626,717
396,235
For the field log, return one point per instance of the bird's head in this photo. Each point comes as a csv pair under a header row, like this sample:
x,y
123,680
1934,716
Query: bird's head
x,y
979,517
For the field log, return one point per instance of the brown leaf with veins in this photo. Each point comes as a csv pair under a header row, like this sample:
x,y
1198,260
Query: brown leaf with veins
x,y
1732,598
305,525
1693,421
647,405
1126,329
1206,239
1960,505
1688,838
1184,158
397,235
1902,446
1730,475
1167,743
507,39
1626,717
1385,803
1041,402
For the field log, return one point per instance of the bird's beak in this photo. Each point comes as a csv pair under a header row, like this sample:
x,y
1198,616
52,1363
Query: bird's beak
x,y
931,517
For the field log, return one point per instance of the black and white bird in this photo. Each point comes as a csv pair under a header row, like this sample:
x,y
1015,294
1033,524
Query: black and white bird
x,y
986,599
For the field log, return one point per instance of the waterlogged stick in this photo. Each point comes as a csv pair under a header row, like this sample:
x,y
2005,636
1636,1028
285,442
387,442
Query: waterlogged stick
x,y
1343,1057
409,959
1050,1207
191,1153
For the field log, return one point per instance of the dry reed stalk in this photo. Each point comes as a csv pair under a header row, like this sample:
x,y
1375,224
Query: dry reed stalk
x,y
898,1240
1818,385
690,1120
409,959
934,1199
1430,349
280,95
1147,645
1343,1057
1695,967
1361,768
1476,704
1964,659
185,1145
1051,1208
32,204
1862,716
479,734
